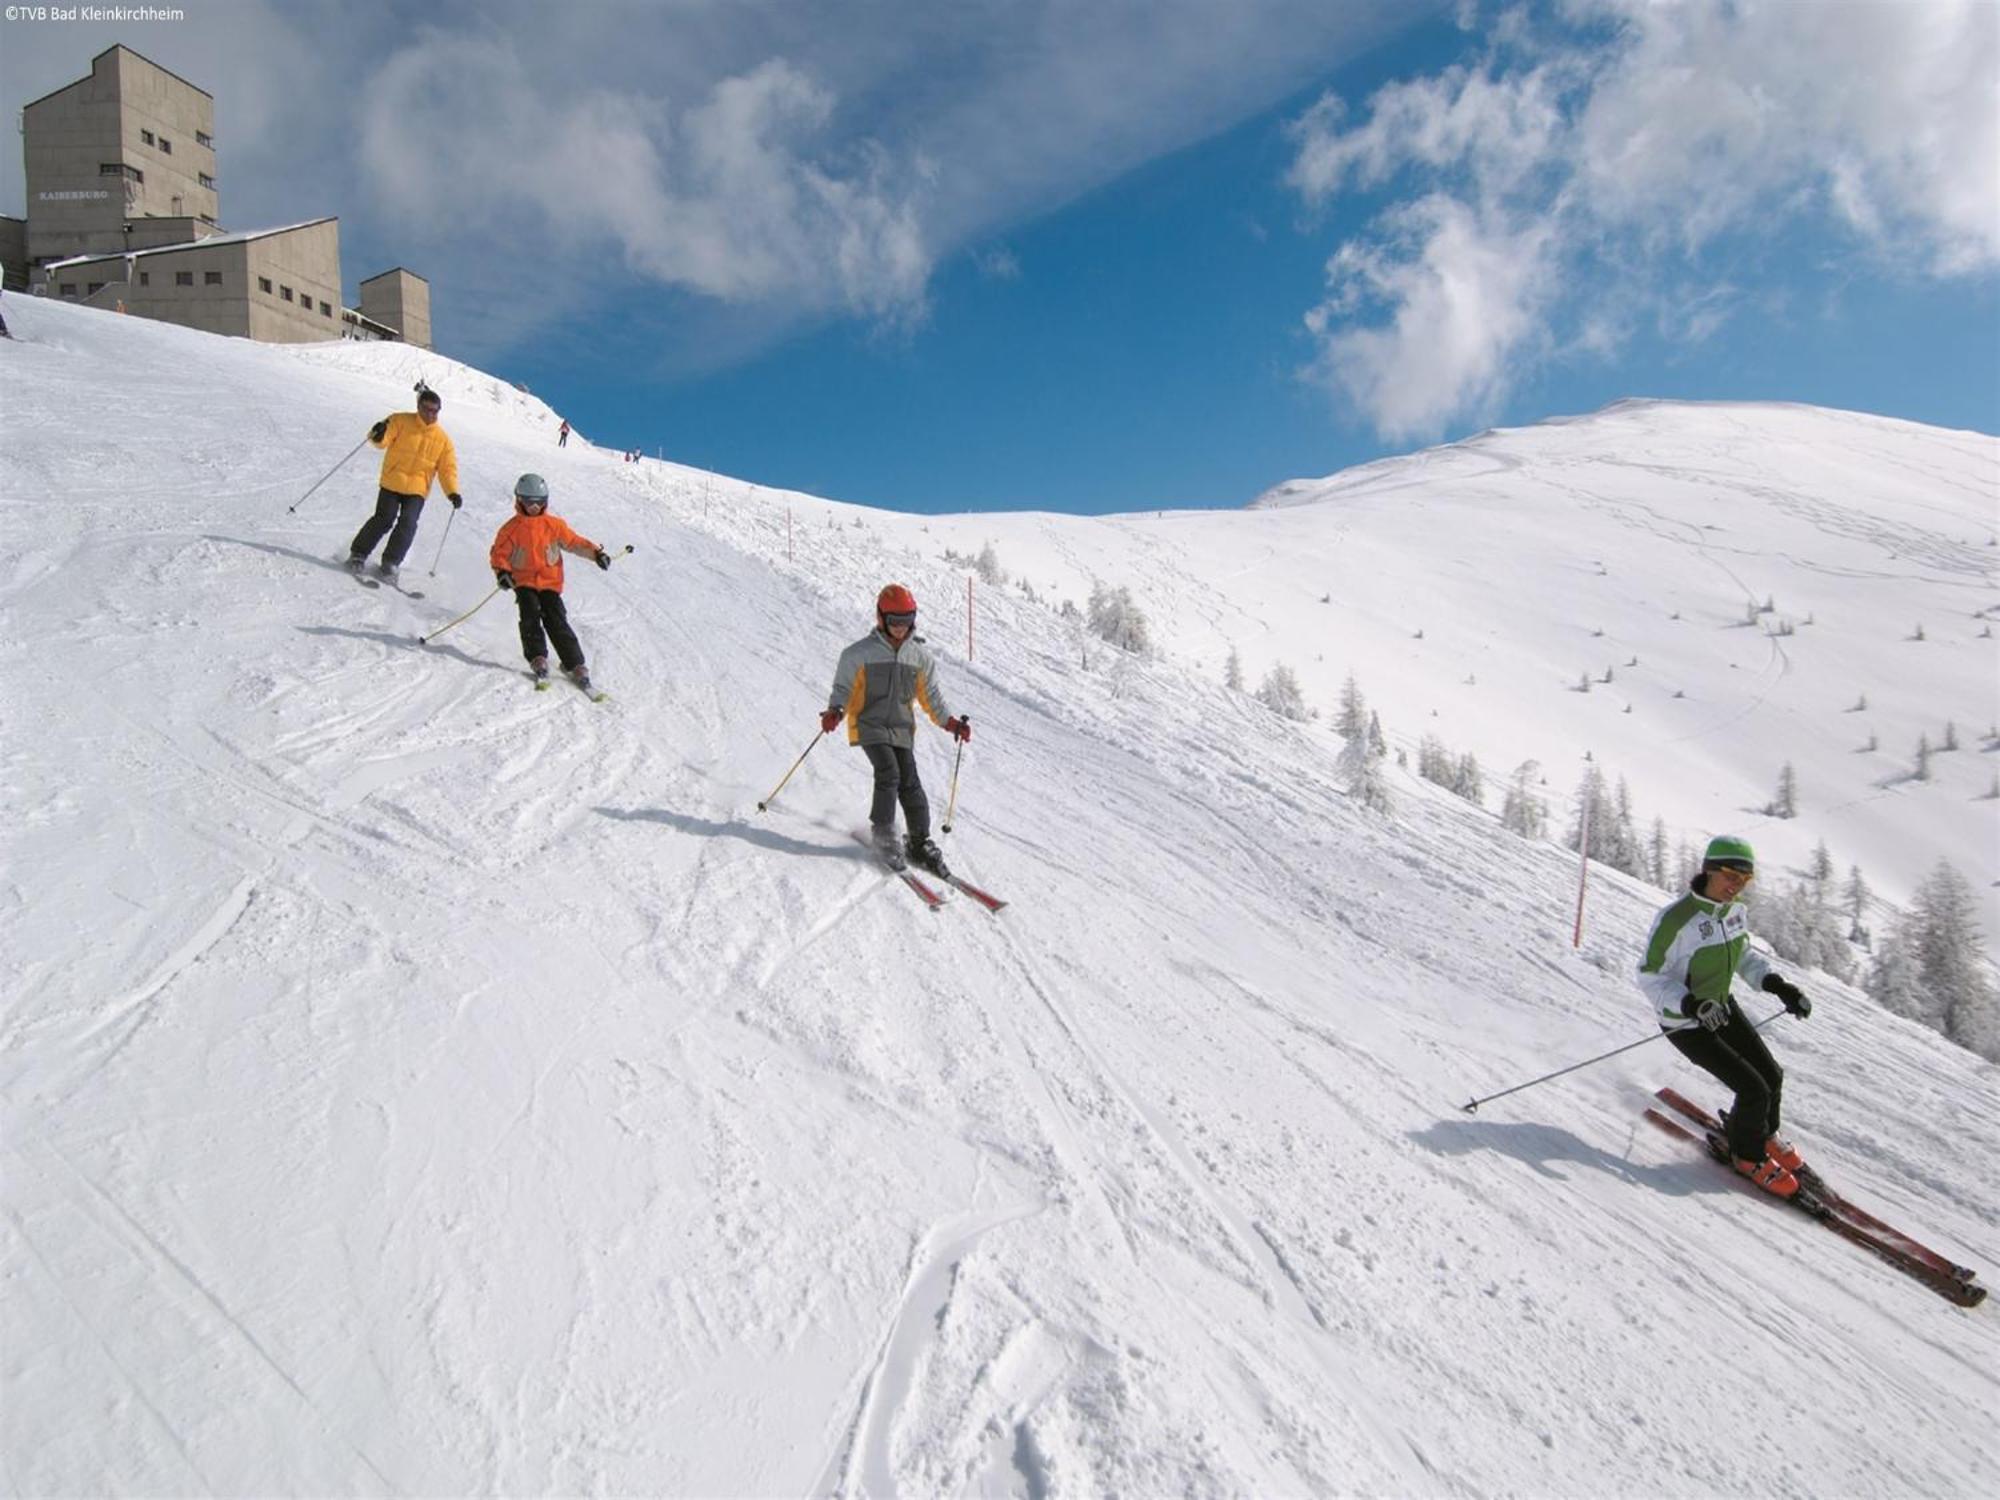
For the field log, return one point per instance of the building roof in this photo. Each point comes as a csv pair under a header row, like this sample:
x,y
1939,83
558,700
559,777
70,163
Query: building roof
x,y
119,47
211,243
393,270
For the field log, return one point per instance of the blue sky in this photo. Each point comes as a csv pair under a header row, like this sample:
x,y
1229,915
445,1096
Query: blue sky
x,y
1128,254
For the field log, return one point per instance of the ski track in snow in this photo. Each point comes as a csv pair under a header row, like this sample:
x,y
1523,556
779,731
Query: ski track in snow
x,y
414,1083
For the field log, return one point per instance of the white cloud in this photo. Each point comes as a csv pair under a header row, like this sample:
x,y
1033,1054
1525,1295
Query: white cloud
x,y
1631,141
1464,297
741,196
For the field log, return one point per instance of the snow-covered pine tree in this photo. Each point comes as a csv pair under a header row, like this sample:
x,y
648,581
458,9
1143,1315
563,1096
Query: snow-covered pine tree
x,y
1657,870
1854,900
1116,618
1280,693
1786,803
1367,779
1466,780
1353,717
1521,810
1943,929
1232,672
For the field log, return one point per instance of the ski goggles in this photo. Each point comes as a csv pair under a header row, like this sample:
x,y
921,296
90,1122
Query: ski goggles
x,y
904,620
1741,867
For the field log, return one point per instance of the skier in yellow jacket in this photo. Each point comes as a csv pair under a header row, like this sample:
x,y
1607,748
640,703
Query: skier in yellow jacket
x,y
418,450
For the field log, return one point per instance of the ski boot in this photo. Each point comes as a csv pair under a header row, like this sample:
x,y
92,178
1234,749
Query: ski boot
x,y
387,573
925,854
888,848
538,668
355,563
1784,1153
1769,1175
578,674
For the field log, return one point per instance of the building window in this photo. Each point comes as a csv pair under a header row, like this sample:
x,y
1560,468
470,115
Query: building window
x,y
145,278
69,288
211,278
166,147
146,136
325,310
264,285
183,278
285,292
119,169
207,181
94,288
203,138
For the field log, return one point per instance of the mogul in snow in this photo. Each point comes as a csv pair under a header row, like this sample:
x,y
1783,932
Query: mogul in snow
x,y
416,451
1698,944
877,681
527,558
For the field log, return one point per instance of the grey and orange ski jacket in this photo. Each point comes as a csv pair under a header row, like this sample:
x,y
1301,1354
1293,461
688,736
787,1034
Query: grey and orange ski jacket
x,y
875,685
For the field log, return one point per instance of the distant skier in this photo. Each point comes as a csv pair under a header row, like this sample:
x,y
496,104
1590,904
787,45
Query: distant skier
x,y
562,435
1698,944
527,558
418,450
875,683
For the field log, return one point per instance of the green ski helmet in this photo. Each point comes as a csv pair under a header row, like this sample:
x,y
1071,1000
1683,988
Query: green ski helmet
x,y
1731,853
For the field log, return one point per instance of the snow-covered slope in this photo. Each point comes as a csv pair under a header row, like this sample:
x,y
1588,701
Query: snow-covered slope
x,y
416,1084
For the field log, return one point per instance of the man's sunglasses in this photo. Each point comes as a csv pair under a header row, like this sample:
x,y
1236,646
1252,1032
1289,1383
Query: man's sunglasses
x,y
1735,867
904,620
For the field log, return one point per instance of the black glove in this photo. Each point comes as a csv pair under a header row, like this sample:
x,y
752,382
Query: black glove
x,y
1713,1014
504,578
1794,998
603,559
379,431
456,499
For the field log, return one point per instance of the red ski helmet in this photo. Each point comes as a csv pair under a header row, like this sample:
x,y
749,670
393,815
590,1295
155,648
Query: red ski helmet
x,y
895,600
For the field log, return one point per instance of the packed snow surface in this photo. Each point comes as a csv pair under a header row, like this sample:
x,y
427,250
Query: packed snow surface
x,y
417,1084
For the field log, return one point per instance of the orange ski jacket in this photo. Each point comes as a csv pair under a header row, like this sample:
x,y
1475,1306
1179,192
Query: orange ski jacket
x,y
531,548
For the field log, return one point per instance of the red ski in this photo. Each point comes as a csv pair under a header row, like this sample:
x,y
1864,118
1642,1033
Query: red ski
x,y
1923,1268
990,902
925,892
1810,1180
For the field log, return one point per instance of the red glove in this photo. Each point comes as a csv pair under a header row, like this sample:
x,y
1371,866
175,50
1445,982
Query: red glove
x,y
958,729
829,720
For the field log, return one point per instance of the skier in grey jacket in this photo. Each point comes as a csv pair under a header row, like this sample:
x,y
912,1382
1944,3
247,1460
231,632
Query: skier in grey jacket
x,y
876,683
1697,945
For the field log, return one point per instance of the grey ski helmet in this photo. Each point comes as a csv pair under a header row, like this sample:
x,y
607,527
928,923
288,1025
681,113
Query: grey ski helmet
x,y
531,487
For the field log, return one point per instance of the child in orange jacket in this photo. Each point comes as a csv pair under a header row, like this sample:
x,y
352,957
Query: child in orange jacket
x,y
527,558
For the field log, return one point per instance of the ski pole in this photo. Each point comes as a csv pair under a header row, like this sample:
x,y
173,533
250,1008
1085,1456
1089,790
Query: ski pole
x,y
441,541
425,640
1471,1106
957,761
788,775
325,477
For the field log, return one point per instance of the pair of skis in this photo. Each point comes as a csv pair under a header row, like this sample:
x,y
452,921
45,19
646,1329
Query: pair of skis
x,y
589,690
1820,1202
924,891
377,582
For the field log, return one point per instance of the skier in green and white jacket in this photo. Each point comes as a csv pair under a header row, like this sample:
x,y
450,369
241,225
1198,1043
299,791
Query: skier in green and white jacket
x,y
1697,945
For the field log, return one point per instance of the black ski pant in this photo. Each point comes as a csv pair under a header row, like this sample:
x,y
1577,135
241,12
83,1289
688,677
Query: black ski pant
x,y
542,611
1738,1057
896,781
392,510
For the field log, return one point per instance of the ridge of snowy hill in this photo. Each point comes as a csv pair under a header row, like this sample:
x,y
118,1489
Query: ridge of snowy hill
x,y
1472,588
413,1083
